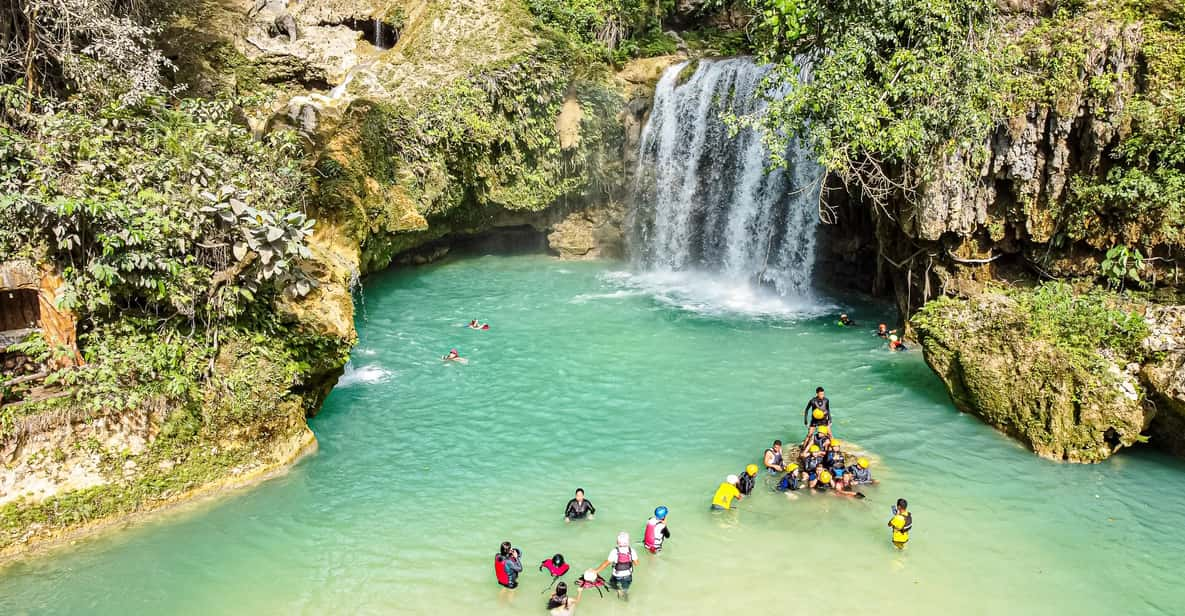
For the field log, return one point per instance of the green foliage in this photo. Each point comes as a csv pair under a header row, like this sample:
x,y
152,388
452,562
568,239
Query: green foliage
x,y
1122,265
177,210
615,30
895,84
1141,199
1083,323
33,346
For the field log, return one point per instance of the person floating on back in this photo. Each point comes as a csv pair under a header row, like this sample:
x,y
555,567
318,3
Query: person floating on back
x,y
507,565
579,508
773,458
844,321
895,344
747,480
656,530
900,524
623,558
726,494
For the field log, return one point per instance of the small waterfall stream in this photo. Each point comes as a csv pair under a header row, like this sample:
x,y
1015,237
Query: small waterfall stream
x,y
707,201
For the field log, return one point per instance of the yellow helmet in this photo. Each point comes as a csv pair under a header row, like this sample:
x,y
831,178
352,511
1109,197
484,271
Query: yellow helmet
x,y
898,522
791,468
814,449
835,442
825,477
862,462
818,414
751,469
824,429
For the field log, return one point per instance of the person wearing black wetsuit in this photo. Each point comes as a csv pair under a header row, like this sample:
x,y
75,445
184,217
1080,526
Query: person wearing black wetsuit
x,y
578,508
820,402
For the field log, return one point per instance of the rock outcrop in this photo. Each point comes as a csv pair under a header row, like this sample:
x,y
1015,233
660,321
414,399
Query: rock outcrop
x,y
1029,386
1164,376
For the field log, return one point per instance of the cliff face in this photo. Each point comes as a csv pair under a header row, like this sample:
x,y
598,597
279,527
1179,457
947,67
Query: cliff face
x,y
1018,210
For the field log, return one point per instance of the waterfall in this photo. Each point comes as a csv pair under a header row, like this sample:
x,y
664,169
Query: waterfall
x,y
709,202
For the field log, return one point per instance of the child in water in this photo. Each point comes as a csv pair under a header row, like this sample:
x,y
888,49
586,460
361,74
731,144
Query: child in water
x,y
560,604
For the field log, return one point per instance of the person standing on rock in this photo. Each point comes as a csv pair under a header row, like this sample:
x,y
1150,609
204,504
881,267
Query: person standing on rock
x,y
817,413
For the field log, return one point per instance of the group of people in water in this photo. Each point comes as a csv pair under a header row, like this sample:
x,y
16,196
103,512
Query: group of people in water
x,y
817,464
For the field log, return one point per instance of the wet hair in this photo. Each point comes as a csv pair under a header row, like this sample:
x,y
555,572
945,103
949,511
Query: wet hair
x,y
901,504
777,442
580,490
505,550
561,589
558,560
558,599
818,390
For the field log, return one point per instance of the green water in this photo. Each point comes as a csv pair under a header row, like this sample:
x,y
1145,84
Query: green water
x,y
643,396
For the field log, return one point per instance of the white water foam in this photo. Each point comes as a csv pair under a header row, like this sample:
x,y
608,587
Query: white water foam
x,y
710,294
366,375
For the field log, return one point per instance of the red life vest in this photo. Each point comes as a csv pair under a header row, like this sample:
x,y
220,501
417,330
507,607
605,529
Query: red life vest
x,y
650,538
553,569
500,570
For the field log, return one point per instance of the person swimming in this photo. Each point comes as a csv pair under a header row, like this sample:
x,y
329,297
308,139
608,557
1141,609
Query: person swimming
x,y
726,494
747,480
844,321
579,508
453,355
895,344
773,458
656,530
475,325
883,331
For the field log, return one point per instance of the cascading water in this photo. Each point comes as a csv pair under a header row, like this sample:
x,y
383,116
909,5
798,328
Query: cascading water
x,y
709,201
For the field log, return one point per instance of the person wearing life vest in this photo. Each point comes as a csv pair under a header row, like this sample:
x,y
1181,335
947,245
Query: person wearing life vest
x,y
507,565
747,480
883,331
623,558
555,566
834,459
858,473
900,524
823,437
792,481
726,493
578,508
822,480
812,457
773,458
656,530
895,344
844,321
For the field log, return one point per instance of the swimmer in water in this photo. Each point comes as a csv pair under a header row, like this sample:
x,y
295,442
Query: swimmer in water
x,y
578,508
475,325
844,321
773,458
726,494
859,474
454,356
895,344
747,480
560,604
883,331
